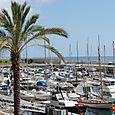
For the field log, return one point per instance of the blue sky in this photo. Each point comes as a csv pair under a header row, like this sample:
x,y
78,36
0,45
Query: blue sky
x,y
82,19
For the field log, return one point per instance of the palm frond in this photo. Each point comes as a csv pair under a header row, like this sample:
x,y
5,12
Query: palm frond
x,y
17,20
30,32
35,28
57,31
55,51
34,38
14,7
30,22
3,42
52,49
2,33
7,16
24,12
28,27
5,23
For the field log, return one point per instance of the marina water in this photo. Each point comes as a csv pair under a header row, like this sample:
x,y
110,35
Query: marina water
x,y
92,111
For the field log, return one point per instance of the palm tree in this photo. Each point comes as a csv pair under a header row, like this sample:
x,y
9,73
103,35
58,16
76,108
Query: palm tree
x,y
15,32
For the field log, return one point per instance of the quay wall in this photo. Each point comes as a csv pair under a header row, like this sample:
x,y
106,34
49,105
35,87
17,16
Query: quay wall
x,y
42,62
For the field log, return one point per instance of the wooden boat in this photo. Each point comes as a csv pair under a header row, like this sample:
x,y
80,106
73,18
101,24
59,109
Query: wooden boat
x,y
99,102
95,103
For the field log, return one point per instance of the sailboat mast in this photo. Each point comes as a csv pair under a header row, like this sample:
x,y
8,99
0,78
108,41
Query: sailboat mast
x,y
99,62
69,50
88,52
113,59
104,60
27,67
45,51
45,58
70,53
77,51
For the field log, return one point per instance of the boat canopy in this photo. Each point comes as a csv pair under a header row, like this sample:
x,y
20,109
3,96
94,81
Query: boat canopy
x,y
42,83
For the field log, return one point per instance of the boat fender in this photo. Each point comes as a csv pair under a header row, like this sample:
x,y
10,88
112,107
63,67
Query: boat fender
x,y
113,108
32,102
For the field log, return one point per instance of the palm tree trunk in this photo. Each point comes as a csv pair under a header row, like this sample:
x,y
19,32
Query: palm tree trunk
x,y
15,57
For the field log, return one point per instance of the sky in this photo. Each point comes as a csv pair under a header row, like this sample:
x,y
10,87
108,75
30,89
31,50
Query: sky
x,y
84,20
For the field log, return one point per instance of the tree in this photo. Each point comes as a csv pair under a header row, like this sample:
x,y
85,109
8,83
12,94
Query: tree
x,y
16,32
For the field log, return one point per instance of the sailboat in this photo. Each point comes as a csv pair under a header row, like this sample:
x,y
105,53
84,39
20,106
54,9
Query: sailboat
x,y
98,102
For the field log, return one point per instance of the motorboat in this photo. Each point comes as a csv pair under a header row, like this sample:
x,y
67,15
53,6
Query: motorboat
x,y
61,100
28,96
42,95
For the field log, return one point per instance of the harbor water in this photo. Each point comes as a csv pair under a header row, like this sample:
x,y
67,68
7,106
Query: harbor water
x,y
89,111
92,111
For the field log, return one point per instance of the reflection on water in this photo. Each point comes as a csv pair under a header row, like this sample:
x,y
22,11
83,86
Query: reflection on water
x,y
92,111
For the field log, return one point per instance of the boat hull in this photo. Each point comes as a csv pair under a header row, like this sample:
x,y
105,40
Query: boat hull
x,y
99,105
95,103
42,97
27,98
71,108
